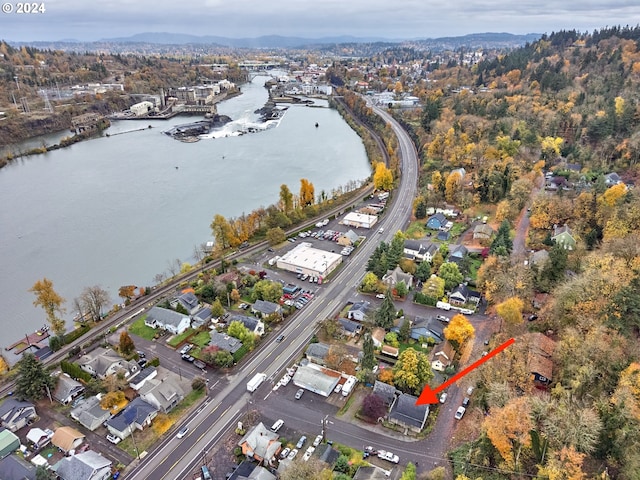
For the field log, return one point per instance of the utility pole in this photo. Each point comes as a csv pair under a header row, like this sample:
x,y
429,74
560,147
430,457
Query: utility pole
x,y
324,428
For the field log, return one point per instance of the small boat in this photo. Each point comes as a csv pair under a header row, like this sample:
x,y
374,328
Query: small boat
x,y
316,124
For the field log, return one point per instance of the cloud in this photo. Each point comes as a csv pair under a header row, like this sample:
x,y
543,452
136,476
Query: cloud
x,y
250,18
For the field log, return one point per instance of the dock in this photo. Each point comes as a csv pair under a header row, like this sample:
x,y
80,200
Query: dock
x,y
29,341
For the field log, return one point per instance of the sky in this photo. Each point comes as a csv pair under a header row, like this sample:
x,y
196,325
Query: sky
x,y
88,20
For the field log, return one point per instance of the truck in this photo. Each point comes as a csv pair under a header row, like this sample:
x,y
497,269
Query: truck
x,y
348,385
443,305
256,381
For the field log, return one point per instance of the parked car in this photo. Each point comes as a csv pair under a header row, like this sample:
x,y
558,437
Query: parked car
x,y
199,363
301,442
469,390
277,426
338,388
380,295
284,453
308,453
186,349
292,454
188,358
317,440
460,412
442,318
443,397
299,394
182,432
465,402
113,439
532,317
140,353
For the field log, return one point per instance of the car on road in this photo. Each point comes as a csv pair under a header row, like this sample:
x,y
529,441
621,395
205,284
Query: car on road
x,y
188,358
279,338
301,442
465,402
317,440
442,318
299,394
460,412
182,432
380,295
186,349
113,439
140,353
270,249
284,453
200,364
292,454
443,397
308,453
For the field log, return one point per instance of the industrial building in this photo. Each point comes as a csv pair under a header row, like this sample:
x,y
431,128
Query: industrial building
x,y
317,379
359,220
310,261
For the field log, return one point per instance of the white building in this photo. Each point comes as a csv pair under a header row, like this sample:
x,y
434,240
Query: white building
x,y
308,260
359,220
142,108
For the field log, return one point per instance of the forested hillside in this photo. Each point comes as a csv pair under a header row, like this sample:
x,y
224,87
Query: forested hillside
x,y
548,124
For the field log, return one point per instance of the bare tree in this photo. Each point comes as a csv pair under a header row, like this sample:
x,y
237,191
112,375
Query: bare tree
x,y
159,278
199,252
79,307
174,267
94,299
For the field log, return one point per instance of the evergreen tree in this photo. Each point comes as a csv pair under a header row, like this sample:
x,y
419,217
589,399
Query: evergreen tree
x,y
386,313
405,330
423,271
33,380
396,249
368,358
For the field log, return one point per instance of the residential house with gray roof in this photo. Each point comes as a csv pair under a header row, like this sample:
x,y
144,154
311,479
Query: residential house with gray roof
x,y
350,328
260,443
14,467
406,413
90,414
317,353
224,341
263,308
201,317
15,414
137,415
253,324
147,373
420,250
67,389
164,394
103,361
169,320
386,392
87,465
395,276
188,301
358,311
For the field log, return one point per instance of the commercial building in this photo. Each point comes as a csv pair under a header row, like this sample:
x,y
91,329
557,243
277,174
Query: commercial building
x,y
317,379
142,108
359,220
308,260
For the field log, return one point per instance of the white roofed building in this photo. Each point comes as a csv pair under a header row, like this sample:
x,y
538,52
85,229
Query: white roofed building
x,y
308,260
359,220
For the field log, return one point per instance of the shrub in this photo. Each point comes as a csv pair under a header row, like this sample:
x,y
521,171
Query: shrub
x,y
75,334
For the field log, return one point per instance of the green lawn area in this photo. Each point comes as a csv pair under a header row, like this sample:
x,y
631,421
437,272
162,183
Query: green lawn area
x,y
416,230
201,339
474,265
141,330
417,346
457,229
178,339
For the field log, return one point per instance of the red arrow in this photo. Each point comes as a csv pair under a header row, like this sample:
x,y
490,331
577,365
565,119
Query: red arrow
x,y
429,396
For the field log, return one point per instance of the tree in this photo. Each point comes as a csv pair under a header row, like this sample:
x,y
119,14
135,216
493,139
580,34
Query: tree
x,y
509,428
267,290
307,192
564,465
32,381
162,423
369,283
401,289
302,470
434,287
386,314
275,236
405,330
386,376
94,299
198,383
452,186
409,472
51,303
459,331
43,473
223,232
126,345
382,177
114,382
431,111
502,243
238,330
412,371
208,354
286,199
217,310
450,273
235,295
126,292
395,251
112,399
223,359
511,310
373,406
368,358
423,271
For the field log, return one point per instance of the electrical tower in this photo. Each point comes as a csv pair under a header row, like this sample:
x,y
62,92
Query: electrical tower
x,y
47,103
25,105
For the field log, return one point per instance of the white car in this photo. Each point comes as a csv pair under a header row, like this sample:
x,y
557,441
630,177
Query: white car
x,y
285,380
292,454
460,412
317,440
380,295
388,456
443,397
308,453
183,431
338,388
113,439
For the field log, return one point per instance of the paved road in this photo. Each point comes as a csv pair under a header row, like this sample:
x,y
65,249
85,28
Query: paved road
x,y
175,458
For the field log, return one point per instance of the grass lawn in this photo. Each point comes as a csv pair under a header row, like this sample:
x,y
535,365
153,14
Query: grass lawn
x,y
201,339
417,346
474,265
178,339
141,330
416,230
457,229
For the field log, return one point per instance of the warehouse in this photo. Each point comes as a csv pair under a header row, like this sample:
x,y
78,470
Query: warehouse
x,y
316,379
310,261
359,220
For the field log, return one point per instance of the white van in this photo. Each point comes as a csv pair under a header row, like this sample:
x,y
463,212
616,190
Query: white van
x,y
381,230
277,426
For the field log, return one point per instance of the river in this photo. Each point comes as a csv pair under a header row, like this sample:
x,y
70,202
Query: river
x,y
118,210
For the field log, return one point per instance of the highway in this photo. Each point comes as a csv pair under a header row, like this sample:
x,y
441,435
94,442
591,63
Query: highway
x,y
178,458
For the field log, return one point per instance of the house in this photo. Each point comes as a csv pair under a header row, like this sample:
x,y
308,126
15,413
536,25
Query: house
x,y
147,373
317,353
102,362
457,253
419,251
188,301
370,473
247,470
348,239
358,311
253,324
164,394
67,389
539,358
350,328
443,236
201,317
437,221
169,320
87,465
14,467
462,295
90,414
67,438
262,308
224,341
38,437
378,336
327,454
442,356
423,328
395,276
563,237
405,413
260,443
482,231
9,443
611,179
137,415
390,351
386,392
15,414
